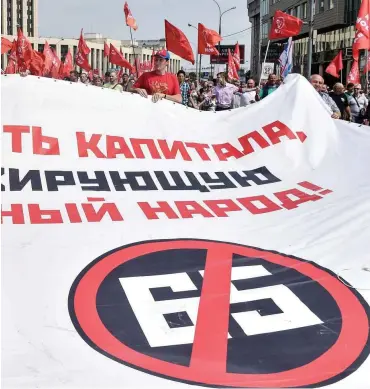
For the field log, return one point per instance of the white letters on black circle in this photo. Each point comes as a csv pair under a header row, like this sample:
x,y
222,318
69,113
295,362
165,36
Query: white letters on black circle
x,y
149,313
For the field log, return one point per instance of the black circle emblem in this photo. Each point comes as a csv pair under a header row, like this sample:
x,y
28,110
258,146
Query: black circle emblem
x,y
221,314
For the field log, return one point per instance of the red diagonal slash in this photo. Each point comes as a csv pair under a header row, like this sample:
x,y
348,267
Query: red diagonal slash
x,y
210,340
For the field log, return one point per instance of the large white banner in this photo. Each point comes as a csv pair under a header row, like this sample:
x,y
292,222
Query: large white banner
x,y
154,246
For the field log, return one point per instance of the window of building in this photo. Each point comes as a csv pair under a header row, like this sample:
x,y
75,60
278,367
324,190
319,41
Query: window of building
x,y
264,31
93,58
304,11
63,51
264,7
322,8
299,11
330,4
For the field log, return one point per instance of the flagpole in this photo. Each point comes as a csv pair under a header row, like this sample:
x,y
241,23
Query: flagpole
x,y
341,76
132,44
200,66
367,72
264,61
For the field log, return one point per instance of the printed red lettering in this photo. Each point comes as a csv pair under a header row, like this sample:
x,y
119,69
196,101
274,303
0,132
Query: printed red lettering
x,y
277,130
221,207
149,143
73,214
300,197
177,148
122,147
94,216
189,208
258,204
16,214
38,140
16,134
200,148
44,216
85,145
225,151
257,137
151,213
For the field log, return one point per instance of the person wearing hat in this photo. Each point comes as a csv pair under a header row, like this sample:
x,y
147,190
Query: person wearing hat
x,y
159,83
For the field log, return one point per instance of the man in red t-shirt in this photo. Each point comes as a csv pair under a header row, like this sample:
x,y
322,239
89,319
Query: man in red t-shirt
x,y
159,83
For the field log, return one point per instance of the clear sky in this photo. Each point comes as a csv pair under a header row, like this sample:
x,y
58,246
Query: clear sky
x,y
65,18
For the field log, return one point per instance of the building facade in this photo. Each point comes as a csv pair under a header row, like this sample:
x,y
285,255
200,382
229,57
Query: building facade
x,y
19,13
333,30
24,14
254,18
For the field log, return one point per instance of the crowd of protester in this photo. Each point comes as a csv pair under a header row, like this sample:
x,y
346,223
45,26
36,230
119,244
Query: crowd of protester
x,y
350,103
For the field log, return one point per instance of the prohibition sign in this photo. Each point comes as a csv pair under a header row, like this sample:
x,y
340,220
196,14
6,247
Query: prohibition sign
x,y
208,364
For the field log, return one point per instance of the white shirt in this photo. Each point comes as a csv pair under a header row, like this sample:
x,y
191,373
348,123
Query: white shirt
x,y
355,108
247,97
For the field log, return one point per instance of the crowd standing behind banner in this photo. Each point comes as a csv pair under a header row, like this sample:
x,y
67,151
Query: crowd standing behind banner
x,y
350,104
221,94
224,93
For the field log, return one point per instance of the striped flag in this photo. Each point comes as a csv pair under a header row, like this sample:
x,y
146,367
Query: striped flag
x,y
286,58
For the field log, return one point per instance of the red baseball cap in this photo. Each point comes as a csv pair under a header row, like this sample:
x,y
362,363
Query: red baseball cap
x,y
163,54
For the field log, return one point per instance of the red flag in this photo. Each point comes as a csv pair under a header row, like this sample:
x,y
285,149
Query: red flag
x,y
106,50
120,74
354,74
6,45
90,75
82,46
55,68
82,61
360,42
130,21
12,59
236,56
362,22
335,65
116,58
48,62
178,43
24,50
66,67
37,63
82,52
138,67
284,26
232,73
207,40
